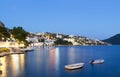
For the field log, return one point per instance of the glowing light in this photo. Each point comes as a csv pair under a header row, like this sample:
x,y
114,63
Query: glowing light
x,y
3,68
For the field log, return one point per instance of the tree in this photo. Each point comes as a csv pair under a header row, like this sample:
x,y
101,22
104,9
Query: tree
x,y
4,33
19,33
42,40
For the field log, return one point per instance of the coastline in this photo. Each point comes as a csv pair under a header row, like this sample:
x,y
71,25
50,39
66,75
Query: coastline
x,y
14,51
4,51
82,45
9,51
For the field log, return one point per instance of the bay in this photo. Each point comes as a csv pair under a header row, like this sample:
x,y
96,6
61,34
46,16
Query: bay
x,y
50,62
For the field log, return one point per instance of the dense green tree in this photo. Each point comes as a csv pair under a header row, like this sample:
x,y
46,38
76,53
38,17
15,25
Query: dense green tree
x,y
42,40
4,33
19,33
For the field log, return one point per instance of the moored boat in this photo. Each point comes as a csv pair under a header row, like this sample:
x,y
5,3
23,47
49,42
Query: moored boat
x,y
27,49
74,66
99,61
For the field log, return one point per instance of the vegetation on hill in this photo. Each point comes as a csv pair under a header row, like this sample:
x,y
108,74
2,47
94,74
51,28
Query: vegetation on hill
x,y
4,32
113,40
19,33
62,42
2,24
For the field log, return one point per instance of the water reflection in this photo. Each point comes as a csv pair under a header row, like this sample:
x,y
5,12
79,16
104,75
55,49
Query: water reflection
x,y
57,58
54,57
3,67
12,64
17,64
54,61
71,55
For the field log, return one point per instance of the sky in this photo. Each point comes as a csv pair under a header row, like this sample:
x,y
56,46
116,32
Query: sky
x,y
98,19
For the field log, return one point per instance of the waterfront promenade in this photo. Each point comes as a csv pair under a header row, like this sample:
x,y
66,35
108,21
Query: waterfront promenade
x,y
12,48
10,44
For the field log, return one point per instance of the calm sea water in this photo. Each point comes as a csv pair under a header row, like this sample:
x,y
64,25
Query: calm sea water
x,y
50,62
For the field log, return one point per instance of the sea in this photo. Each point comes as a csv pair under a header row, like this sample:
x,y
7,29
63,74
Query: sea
x,y
50,61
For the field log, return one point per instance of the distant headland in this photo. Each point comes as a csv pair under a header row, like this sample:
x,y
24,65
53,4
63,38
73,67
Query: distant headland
x,y
114,40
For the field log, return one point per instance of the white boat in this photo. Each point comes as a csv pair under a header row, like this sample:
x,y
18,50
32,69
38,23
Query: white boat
x,y
27,49
74,66
99,61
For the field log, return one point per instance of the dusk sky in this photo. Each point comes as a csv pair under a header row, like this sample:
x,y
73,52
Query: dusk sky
x,y
98,19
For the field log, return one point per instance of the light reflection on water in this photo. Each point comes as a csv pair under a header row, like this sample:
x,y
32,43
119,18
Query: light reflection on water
x,y
12,66
54,57
3,68
57,58
71,55
53,62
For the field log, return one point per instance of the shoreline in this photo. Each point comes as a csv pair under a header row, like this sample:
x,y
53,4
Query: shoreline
x,y
14,51
23,50
82,45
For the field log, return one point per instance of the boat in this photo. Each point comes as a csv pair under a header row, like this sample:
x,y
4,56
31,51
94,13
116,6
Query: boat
x,y
27,49
74,66
99,61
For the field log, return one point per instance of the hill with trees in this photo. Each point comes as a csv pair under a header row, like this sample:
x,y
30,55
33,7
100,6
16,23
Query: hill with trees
x,y
113,40
18,33
2,24
4,32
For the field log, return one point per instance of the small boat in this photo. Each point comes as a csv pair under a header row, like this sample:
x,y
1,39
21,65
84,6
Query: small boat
x,y
99,61
27,49
74,66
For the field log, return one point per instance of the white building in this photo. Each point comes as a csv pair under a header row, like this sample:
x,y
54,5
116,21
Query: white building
x,y
39,33
71,36
32,39
49,42
58,36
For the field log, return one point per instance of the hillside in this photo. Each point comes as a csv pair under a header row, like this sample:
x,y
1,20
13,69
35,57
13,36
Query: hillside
x,y
1,24
64,39
113,40
4,32
56,39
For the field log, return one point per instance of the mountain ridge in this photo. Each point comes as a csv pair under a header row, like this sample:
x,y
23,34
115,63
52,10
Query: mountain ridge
x,y
115,40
